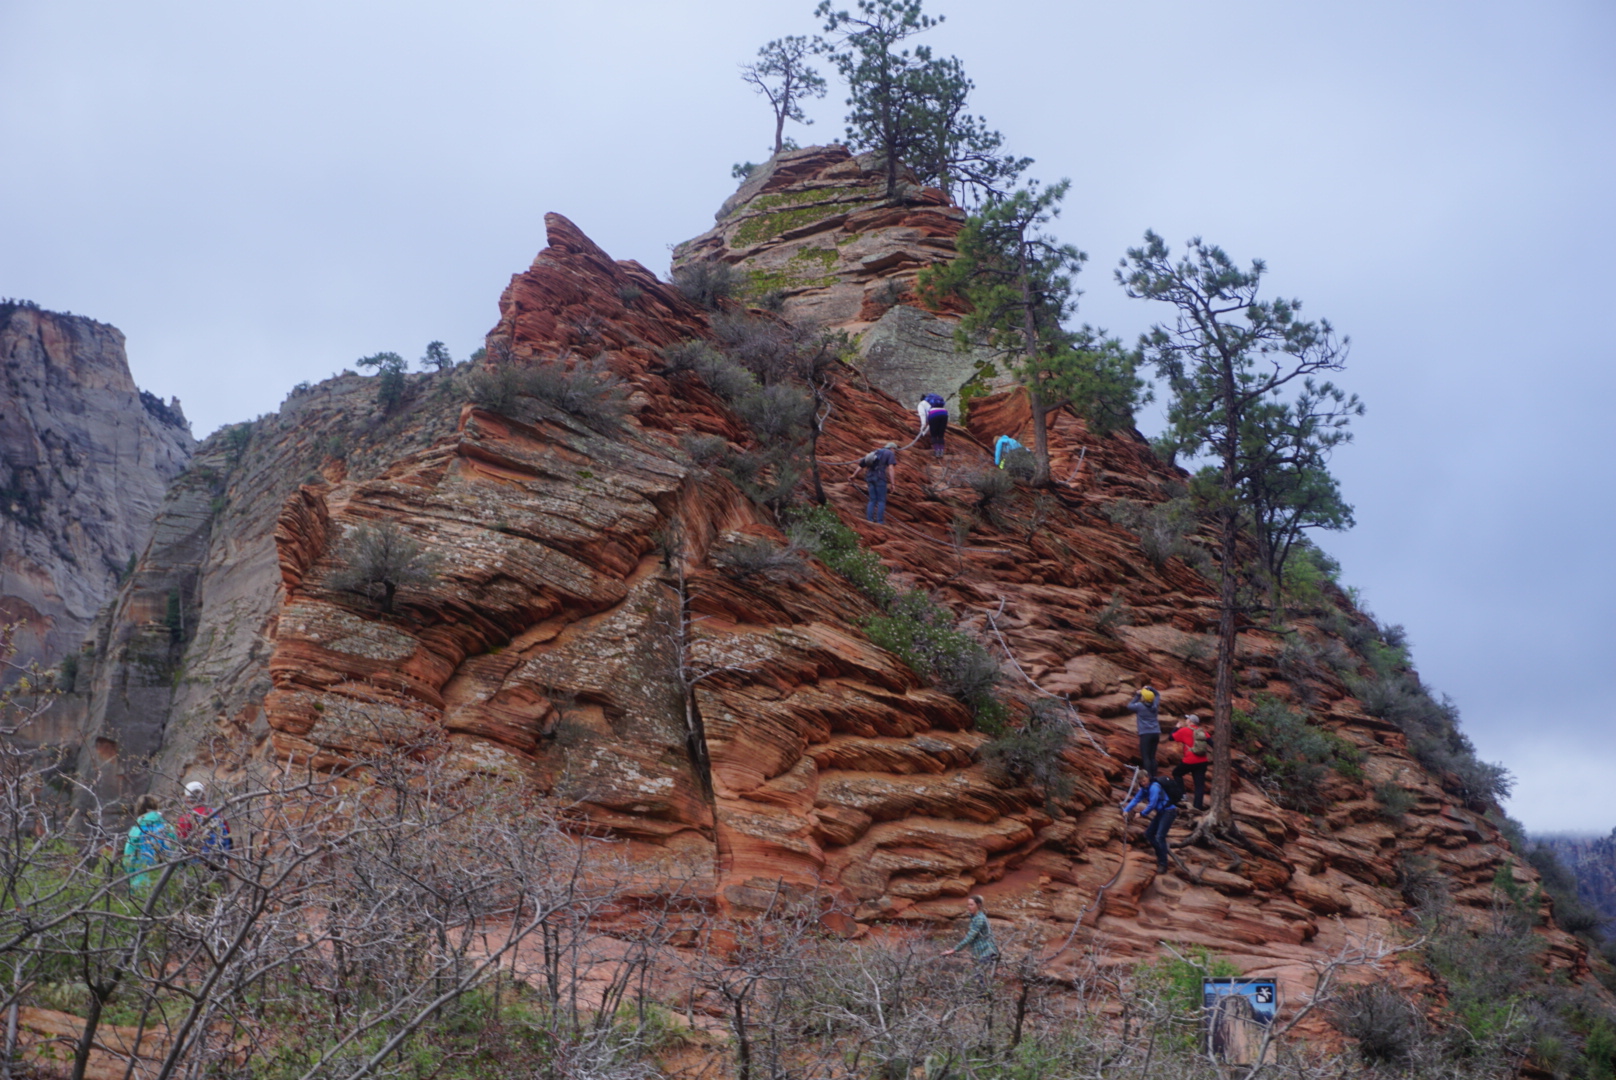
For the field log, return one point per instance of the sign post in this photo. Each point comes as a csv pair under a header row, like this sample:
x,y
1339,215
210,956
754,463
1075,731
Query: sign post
x,y
1237,1012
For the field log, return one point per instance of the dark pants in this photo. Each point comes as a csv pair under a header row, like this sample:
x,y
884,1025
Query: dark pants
x,y
876,509
1147,752
1156,833
1199,772
937,425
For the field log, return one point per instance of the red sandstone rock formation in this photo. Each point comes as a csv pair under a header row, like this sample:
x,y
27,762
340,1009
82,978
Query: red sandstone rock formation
x,y
544,654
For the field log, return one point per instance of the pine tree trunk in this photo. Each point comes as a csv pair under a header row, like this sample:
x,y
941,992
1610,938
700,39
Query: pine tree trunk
x,y
1040,429
779,131
1220,817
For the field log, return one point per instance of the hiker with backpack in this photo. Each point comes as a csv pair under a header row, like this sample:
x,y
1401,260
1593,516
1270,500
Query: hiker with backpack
x,y
201,828
1160,800
878,466
1146,701
1003,447
933,413
1197,756
151,841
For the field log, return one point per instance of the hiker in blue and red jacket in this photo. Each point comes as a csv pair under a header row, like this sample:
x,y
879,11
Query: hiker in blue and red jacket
x,y
933,413
1160,799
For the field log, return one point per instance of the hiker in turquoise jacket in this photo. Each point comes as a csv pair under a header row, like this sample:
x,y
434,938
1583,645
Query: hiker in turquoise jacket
x,y
151,842
979,936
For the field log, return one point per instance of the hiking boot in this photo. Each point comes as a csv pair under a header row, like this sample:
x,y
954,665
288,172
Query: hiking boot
x,y
1161,868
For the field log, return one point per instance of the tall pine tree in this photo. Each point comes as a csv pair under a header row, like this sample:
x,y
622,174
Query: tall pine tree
x,y
1226,357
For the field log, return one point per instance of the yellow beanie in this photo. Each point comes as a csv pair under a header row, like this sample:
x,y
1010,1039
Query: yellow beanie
x,y
1147,696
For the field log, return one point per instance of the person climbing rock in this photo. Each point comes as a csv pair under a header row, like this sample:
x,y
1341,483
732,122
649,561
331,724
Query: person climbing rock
x,y
1160,801
979,937
878,466
933,413
1197,755
151,841
1144,707
1002,448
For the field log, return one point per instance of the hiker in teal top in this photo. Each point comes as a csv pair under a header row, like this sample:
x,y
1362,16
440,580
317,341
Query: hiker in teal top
x,y
151,841
980,935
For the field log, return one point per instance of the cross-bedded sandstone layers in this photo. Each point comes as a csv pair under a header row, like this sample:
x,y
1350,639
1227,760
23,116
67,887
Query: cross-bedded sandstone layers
x,y
546,652
85,458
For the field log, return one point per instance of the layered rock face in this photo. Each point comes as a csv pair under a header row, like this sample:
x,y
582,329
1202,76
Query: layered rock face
x,y
815,227
575,562
85,459
174,669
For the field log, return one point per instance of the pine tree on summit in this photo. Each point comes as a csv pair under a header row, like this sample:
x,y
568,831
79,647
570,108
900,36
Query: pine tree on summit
x,y
909,106
783,75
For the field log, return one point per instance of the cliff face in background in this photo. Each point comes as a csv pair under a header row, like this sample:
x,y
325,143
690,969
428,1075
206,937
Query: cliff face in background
x,y
543,652
814,227
177,658
1593,860
85,459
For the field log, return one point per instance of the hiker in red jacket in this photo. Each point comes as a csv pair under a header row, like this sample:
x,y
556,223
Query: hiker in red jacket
x,y
1197,755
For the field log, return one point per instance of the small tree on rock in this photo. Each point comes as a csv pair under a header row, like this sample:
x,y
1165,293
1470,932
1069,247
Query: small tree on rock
x,y
390,367
908,106
383,558
437,358
783,75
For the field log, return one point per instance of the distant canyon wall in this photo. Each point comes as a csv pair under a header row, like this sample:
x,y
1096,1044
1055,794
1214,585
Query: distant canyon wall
x,y
85,460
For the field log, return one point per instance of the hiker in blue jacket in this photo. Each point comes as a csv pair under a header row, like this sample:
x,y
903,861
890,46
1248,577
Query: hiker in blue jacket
x,y
1002,447
151,842
1160,801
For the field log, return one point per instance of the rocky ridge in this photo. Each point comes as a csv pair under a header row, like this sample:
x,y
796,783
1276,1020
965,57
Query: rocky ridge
x,y
85,459
543,654
814,227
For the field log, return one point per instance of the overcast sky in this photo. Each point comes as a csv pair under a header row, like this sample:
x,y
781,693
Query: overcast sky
x,y
258,194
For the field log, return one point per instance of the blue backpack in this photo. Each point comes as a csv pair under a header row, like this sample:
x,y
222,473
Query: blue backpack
x,y
936,401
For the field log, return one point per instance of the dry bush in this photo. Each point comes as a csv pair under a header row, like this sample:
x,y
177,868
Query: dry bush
x,y
709,283
747,559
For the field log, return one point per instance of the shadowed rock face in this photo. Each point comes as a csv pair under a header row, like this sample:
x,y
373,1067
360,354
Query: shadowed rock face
x,y
85,457
544,652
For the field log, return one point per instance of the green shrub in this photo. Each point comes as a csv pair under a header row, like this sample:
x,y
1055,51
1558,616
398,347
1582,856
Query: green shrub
x,y
1163,528
1395,800
1292,755
923,634
776,413
382,557
495,389
1031,754
588,391
705,450
709,284
67,674
818,530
